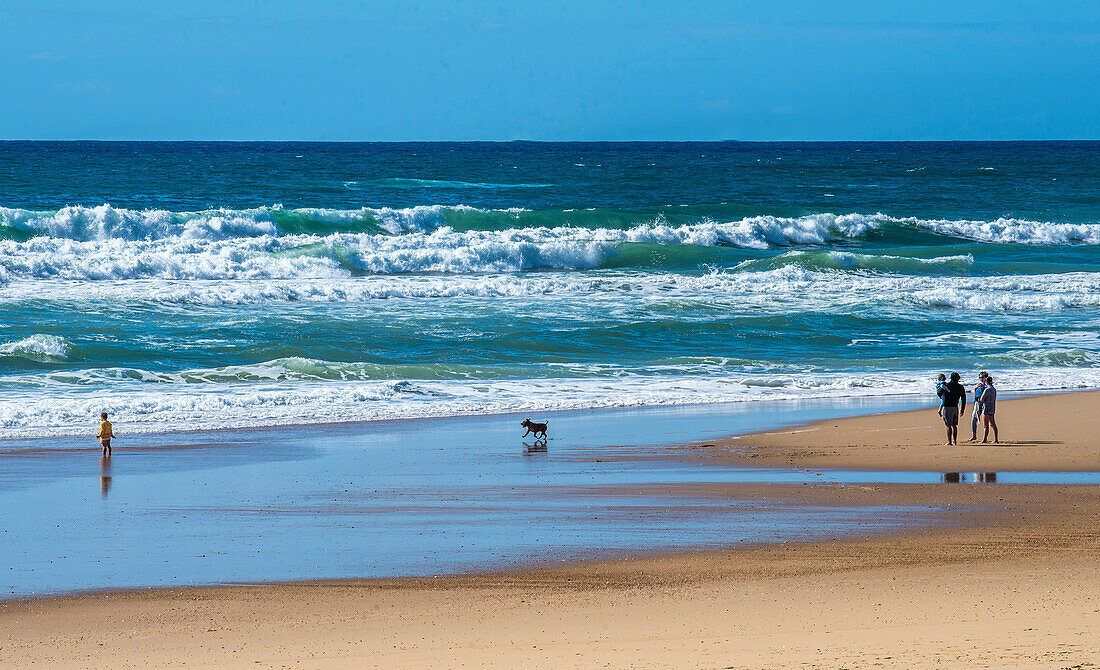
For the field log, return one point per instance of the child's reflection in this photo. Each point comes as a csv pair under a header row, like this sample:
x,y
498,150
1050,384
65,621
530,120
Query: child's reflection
x,y
104,476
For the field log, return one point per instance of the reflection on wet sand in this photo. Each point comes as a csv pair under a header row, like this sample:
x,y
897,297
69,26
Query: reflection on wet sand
x,y
104,475
972,477
538,447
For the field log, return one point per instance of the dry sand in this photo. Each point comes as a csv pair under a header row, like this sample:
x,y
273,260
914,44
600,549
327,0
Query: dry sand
x,y
1057,432
1012,581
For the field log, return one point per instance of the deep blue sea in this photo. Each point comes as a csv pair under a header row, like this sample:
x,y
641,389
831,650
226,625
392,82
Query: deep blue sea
x,y
205,285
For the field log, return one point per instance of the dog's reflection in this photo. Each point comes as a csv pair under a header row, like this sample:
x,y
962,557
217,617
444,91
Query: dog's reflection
x,y
104,476
539,447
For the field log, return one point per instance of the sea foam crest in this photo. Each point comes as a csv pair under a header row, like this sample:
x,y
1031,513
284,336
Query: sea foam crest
x,y
104,222
107,243
342,254
37,347
1011,231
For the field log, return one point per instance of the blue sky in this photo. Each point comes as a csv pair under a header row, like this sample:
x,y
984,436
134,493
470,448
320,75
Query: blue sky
x,y
569,70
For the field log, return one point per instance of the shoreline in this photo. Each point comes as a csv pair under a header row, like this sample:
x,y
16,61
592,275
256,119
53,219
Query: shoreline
x,y
1020,563
247,433
352,424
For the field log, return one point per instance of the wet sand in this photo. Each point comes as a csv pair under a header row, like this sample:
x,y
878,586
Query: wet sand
x,y
391,500
1012,579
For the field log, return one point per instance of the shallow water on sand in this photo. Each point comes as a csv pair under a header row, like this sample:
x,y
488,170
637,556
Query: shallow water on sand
x,y
394,498
415,498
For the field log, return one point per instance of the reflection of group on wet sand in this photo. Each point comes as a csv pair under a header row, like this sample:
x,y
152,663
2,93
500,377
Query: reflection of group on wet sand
x,y
952,396
976,477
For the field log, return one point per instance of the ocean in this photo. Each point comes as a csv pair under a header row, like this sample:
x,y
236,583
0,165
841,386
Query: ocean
x,y
185,286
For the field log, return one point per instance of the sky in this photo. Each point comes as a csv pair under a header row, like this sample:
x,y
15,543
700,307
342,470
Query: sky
x,y
568,70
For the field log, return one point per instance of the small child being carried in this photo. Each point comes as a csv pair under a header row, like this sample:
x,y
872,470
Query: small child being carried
x,y
941,386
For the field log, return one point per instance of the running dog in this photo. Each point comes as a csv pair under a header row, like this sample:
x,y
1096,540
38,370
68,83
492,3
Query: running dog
x,y
535,428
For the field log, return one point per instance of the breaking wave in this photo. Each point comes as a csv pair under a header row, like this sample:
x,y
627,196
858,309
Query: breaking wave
x,y
104,243
39,347
704,225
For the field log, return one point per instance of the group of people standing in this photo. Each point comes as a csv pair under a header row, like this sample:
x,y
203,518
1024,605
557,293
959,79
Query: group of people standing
x,y
952,396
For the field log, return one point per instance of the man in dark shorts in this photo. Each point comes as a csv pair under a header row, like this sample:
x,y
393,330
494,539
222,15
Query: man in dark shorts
x,y
954,404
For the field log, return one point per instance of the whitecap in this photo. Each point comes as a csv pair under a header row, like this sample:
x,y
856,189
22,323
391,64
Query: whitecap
x,y
37,347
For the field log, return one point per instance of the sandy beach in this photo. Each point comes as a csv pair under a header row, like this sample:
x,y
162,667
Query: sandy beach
x,y
1011,579
1041,433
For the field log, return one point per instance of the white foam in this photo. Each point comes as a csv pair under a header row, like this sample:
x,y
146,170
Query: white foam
x,y
1011,231
757,232
174,258
782,290
104,222
37,347
136,408
110,243
341,255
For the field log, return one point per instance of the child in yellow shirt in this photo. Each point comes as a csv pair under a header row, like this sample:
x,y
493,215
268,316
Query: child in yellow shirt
x,y
105,433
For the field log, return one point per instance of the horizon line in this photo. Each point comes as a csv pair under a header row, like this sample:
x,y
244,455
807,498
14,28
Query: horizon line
x,y
530,141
